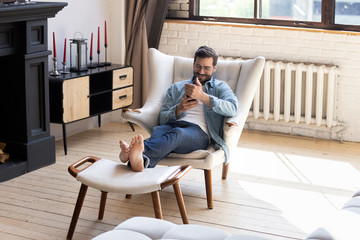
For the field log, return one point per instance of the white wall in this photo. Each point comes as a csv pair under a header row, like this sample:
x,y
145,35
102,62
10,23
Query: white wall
x,y
341,49
85,16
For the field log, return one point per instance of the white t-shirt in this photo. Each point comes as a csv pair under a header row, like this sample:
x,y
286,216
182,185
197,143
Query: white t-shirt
x,y
196,115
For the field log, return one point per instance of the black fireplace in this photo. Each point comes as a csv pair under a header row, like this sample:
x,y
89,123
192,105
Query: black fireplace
x,y
24,87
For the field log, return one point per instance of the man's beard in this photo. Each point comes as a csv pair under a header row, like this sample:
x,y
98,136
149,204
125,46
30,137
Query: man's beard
x,y
203,78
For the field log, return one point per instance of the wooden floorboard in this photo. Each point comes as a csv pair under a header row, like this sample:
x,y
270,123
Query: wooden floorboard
x,y
278,186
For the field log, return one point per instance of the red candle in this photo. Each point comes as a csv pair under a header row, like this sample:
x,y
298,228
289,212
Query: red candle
x,y
105,34
91,46
65,51
54,45
98,47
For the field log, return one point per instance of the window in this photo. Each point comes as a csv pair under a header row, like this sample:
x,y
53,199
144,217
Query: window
x,y
325,14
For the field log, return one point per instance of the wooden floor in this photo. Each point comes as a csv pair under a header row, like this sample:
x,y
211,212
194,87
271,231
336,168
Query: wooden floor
x,y
278,186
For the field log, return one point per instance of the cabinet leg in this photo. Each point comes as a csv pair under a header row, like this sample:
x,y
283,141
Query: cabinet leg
x,y
64,138
99,120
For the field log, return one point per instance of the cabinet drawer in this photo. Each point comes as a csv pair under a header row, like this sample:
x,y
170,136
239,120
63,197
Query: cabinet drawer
x,y
122,97
122,77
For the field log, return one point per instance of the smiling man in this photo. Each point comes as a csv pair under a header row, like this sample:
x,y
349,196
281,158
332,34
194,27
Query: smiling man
x,y
191,118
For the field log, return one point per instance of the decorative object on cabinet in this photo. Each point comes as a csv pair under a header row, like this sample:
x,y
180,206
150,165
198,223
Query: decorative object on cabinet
x,y
80,95
24,84
55,72
78,54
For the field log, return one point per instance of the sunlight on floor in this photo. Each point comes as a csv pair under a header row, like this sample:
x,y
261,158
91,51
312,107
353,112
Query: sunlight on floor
x,y
307,190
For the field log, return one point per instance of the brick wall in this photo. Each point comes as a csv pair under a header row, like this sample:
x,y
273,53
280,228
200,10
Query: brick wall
x,y
341,49
178,9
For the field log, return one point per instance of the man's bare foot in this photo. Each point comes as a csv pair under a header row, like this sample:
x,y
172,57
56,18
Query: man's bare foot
x,y
136,153
124,154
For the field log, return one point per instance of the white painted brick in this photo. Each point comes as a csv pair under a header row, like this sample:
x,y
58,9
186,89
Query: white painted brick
x,y
163,41
297,42
189,35
178,27
177,41
169,33
198,43
353,39
286,33
265,48
239,45
239,38
198,27
219,44
310,51
333,37
288,50
321,44
168,49
247,39
219,29
241,30
274,40
310,35
332,53
209,36
263,32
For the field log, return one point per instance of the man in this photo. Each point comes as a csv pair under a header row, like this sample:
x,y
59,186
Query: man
x,y
191,117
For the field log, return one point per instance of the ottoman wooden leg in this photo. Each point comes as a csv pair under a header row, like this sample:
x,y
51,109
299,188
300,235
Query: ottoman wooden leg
x,y
180,201
102,205
157,204
77,210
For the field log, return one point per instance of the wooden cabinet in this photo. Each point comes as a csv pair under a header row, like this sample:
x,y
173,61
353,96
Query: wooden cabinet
x,y
79,95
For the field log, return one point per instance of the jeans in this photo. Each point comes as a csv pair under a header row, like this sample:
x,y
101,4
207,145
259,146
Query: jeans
x,y
178,137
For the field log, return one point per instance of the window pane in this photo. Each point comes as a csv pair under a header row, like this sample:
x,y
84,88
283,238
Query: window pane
x,y
294,10
227,8
347,12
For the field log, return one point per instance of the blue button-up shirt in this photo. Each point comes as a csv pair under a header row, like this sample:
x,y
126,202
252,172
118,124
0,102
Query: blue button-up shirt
x,y
223,101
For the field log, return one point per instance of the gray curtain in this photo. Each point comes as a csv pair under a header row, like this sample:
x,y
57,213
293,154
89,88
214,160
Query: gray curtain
x,y
136,48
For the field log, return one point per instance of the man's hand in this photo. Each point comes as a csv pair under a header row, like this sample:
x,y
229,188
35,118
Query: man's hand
x,y
195,91
185,104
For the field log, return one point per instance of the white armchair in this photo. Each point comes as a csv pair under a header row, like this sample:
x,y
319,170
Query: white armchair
x,y
243,76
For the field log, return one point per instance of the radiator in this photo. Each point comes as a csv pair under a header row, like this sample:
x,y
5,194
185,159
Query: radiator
x,y
297,92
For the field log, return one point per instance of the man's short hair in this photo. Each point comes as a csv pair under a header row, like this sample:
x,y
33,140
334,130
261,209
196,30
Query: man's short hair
x,y
206,52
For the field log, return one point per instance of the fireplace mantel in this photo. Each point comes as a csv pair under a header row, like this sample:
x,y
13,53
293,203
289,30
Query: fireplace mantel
x,y
30,11
24,87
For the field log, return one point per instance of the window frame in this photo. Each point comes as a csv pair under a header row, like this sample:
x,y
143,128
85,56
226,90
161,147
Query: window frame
x,y
327,18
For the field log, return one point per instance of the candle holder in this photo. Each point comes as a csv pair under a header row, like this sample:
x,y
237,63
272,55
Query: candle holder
x,y
91,65
55,72
64,68
99,64
106,63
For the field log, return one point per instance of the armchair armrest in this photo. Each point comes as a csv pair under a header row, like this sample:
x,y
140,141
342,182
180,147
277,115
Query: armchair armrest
x,y
146,117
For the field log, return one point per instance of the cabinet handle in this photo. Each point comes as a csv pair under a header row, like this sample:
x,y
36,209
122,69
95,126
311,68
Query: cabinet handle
x,y
122,97
123,77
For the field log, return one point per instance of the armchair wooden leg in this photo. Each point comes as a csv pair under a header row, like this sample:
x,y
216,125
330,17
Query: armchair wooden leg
x,y
225,170
157,204
77,210
180,201
208,185
102,205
